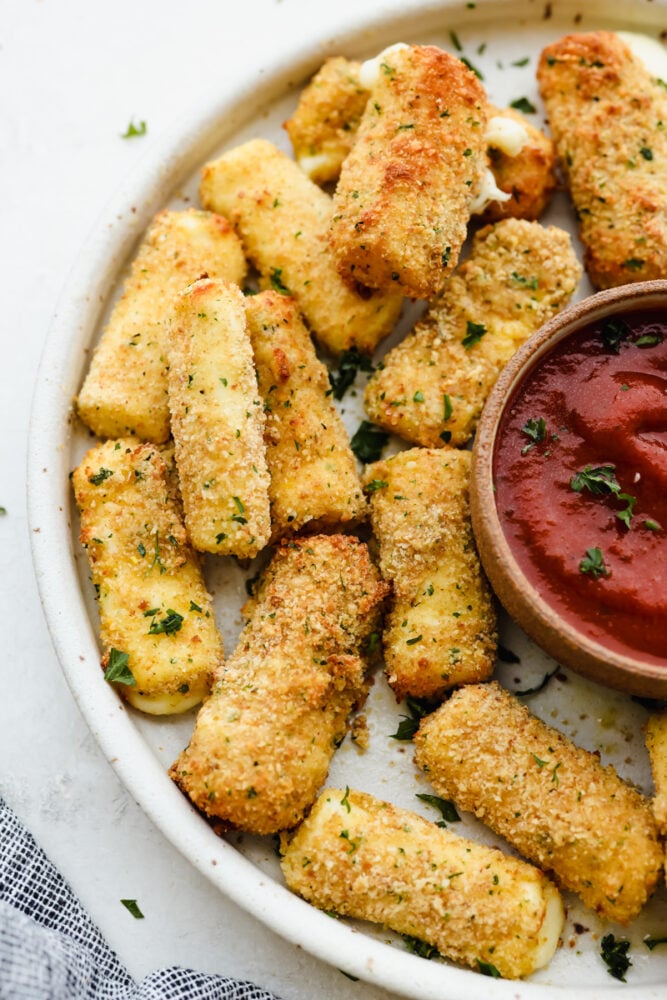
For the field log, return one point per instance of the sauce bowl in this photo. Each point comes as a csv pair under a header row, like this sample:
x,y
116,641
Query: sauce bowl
x,y
523,573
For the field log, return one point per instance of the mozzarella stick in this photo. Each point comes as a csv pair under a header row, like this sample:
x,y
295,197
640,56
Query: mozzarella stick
x,y
441,629
552,800
656,744
523,163
314,478
156,619
125,390
324,124
264,739
283,221
403,199
433,385
218,422
607,115
361,857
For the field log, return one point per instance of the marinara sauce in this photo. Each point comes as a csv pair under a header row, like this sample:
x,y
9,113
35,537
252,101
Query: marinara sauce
x,y
580,470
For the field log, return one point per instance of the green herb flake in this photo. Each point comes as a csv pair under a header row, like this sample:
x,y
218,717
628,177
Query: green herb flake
x,y
535,428
195,607
446,808
633,264
473,69
487,969
133,130
455,41
524,105
593,563
646,152
648,340
614,332
100,476
474,333
413,641
141,549
418,947
118,671
520,279
448,409
350,363
538,687
615,955
418,397
376,484
410,723
652,942
521,62
170,624
277,282
132,906
345,802
651,524
368,441
3,511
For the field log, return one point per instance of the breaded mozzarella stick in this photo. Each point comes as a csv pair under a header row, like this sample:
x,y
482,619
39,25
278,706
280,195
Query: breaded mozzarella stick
x,y
218,422
125,390
607,115
283,221
552,800
434,383
264,739
441,629
656,744
156,617
314,478
405,191
361,857
324,124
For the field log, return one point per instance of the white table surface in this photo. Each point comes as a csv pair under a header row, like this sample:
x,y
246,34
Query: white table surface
x,y
73,73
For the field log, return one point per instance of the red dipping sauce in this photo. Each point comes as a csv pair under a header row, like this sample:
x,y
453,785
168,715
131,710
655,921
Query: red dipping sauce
x,y
583,440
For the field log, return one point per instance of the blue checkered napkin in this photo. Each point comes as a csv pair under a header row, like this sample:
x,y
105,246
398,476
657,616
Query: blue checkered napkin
x,y
51,950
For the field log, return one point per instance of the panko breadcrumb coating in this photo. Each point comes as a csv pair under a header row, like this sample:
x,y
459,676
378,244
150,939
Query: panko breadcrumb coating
x,y
433,385
361,857
324,124
656,744
402,204
218,421
608,117
264,739
314,478
441,629
125,390
552,800
153,602
529,177
283,221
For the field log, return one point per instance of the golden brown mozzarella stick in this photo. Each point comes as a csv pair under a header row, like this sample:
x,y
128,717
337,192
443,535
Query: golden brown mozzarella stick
x,y
403,199
433,385
441,629
607,117
314,478
324,124
656,744
264,739
283,221
527,172
361,857
552,800
125,390
218,421
156,618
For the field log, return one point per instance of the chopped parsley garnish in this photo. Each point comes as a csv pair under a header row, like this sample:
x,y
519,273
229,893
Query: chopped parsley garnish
x,y
350,363
538,687
615,955
473,69
534,428
195,607
239,505
418,397
413,641
646,152
601,481
3,511
277,282
474,333
487,969
507,656
652,943
523,104
132,906
100,476
455,41
117,670
133,130
648,340
614,331
410,723
521,279
419,947
593,563
376,484
633,264
368,441
170,624
446,808
521,62
345,801
448,409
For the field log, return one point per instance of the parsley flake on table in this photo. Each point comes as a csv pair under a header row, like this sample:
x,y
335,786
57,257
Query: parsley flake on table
x,y
132,907
133,130
615,955
350,363
368,441
118,670
446,808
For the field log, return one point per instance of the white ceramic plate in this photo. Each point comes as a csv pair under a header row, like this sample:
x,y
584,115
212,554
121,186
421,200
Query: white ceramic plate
x,y
494,36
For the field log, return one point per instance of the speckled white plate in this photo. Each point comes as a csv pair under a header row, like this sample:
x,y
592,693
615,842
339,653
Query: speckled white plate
x,y
497,37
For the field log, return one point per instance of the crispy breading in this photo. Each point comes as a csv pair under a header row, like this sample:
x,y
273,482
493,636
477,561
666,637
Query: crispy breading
x,y
441,629
324,124
153,602
403,198
314,477
529,177
433,385
608,117
218,421
264,739
656,744
283,221
552,800
361,857
125,390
